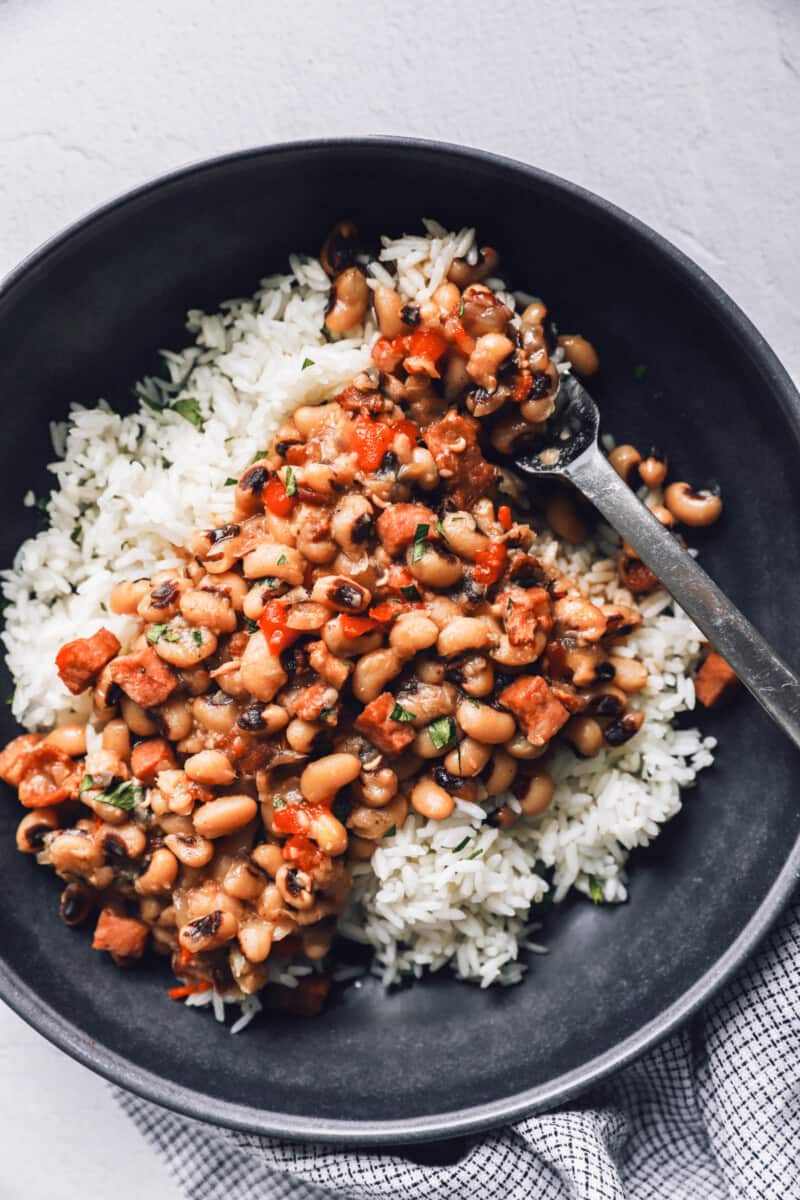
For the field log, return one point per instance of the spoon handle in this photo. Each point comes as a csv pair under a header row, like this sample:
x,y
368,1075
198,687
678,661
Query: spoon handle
x,y
760,669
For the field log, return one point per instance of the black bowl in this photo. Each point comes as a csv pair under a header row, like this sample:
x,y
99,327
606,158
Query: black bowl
x,y
84,317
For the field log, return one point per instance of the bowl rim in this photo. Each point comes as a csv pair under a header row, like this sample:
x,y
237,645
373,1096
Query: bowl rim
x,y
189,1102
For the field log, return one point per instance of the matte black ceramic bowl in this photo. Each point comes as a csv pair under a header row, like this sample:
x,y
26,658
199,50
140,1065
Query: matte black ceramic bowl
x,y
84,317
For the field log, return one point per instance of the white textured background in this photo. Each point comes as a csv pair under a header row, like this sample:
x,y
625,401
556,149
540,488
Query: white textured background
x,y
685,112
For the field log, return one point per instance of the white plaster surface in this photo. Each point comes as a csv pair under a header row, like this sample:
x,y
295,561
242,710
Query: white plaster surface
x,y
685,112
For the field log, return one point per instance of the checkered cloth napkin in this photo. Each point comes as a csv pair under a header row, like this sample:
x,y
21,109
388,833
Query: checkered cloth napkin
x,y
711,1114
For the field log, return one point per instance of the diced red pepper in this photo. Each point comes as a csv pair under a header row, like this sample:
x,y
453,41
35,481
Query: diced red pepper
x,y
296,818
300,850
354,627
184,957
490,563
425,348
463,340
408,428
387,610
504,517
276,498
370,440
387,355
188,989
273,625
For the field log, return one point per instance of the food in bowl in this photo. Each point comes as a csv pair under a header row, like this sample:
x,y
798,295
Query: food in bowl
x,y
322,665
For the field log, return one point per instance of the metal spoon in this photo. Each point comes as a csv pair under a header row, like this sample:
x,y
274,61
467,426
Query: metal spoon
x,y
570,450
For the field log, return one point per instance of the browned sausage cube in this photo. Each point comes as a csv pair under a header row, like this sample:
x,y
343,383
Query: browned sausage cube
x,y
150,757
715,682
398,523
80,662
333,670
538,711
144,677
123,936
470,475
375,723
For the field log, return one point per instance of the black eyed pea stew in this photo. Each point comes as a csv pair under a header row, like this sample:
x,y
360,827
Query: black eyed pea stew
x,y
372,633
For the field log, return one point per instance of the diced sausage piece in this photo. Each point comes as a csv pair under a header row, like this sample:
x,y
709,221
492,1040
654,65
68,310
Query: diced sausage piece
x,y
14,758
150,757
375,723
48,777
539,713
525,611
332,669
453,442
715,682
398,524
144,677
80,662
312,701
123,936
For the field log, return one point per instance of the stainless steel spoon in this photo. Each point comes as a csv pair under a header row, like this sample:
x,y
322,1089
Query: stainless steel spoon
x,y
570,450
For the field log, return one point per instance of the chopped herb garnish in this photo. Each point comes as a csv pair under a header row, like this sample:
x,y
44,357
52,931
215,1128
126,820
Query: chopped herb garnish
x,y
399,713
155,633
278,802
258,454
198,637
460,845
281,560
461,309
124,795
189,409
75,536
411,592
10,700
87,783
252,626
475,854
103,607
419,547
325,713
307,362
639,371
391,832
157,393
231,482
596,890
471,700
440,529
290,483
442,731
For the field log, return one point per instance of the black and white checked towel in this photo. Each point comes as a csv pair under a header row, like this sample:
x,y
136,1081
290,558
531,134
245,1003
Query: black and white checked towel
x,y
711,1114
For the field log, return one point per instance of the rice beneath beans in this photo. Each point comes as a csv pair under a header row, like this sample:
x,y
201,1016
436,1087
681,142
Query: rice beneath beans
x,y
130,488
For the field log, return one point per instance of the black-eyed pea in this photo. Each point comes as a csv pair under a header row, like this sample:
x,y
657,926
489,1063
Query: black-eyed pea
x,y
624,459
372,673
431,801
425,747
629,673
468,758
116,738
176,718
208,932
376,788
585,735
580,353
71,739
268,857
538,793
653,470
295,887
126,597
412,632
301,734
564,518
329,833
224,816
360,849
183,645
261,672
121,842
323,779
661,514
159,875
502,774
491,350
34,827
243,880
436,568
189,849
255,939
216,712
693,508
209,609
485,724
76,903
269,904
211,768
349,300
519,747
317,941
74,851
578,617
136,718
229,582
466,634
373,823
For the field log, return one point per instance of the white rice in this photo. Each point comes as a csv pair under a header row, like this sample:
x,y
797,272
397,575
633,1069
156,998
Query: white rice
x,y
130,489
